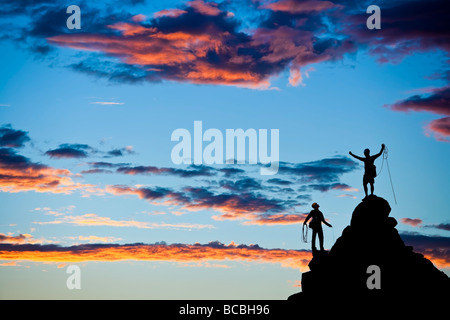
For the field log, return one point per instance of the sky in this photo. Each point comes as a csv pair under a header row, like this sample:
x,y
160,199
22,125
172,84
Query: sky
x,y
87,176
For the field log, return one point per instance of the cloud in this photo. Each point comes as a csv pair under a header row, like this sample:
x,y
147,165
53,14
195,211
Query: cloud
x,y
92,219
191,171
235,194
18,173
437,101
180,253
280,182
96,239
204,42
241,185
441,226
329,186
119,152
412,222
243,205
68,150
201,42
440,128
434,248
272,219
14,239
77,151
324,170
205,8
174,13
299,6
12,138
408,27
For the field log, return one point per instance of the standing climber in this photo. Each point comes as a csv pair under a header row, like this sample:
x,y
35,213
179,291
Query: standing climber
x,y
370,171
316,226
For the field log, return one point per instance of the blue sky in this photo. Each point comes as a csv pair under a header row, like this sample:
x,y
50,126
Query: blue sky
x,y
97,106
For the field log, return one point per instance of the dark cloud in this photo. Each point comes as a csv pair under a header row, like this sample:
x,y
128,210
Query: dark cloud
x,y
93,171
103,164
280,182
231,172
78,150
407,27
235,203
241,185
199,42
113,71
323,171
70,150
327,187
200,198
435,101
441,226
191,171
19,173
435,248
119,152
12,138
205,42
234,193
9,159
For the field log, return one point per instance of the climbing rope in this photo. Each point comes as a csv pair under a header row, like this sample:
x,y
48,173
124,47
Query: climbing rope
x,y
385,158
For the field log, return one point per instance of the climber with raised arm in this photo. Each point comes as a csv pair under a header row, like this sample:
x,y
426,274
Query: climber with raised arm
x,y
370,171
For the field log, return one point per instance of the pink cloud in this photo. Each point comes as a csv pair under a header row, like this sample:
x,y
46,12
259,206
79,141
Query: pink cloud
x,y
206,8
174,13
299,6
440,128
411,222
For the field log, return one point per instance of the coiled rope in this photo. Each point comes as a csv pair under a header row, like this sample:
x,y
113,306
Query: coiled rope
x,y
305,233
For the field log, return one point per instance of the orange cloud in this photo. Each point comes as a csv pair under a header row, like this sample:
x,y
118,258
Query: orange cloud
x,y
212,52
295,77
270,219
21,238
91,219
181,253
262,219
18,173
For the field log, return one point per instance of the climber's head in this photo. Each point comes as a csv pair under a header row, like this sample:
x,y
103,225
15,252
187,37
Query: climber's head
x,y
367,152
315,205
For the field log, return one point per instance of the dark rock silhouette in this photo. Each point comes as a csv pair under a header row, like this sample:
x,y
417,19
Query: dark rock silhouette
x,y
371,239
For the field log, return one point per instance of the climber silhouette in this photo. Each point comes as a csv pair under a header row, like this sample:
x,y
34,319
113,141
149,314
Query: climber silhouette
x,y
370,171
316,226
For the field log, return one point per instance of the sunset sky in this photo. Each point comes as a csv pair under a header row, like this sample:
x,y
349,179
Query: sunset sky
x,y
86,118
